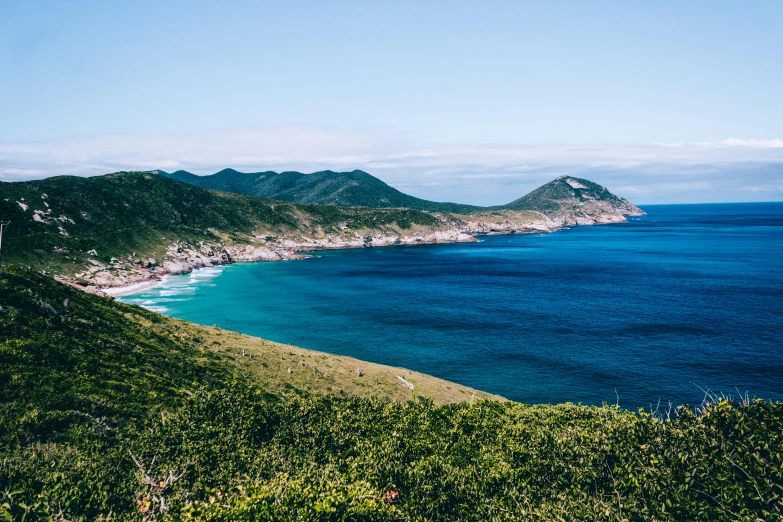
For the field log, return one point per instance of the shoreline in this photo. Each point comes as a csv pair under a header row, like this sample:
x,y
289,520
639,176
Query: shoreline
x,y
185,262
307,253
121,291
294,255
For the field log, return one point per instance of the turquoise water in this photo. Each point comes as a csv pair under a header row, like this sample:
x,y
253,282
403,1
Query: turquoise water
x,y
688,296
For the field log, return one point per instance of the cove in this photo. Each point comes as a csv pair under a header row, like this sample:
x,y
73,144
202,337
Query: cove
x,y
685,299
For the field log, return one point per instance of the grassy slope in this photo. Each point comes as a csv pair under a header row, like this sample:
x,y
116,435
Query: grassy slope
x,y
99,342
121,213
86,382
355,188
267,364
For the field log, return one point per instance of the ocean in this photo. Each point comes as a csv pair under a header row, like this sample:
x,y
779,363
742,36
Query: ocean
x,y
685,300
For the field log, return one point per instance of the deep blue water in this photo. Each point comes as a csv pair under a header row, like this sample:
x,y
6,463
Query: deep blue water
x,y
689,296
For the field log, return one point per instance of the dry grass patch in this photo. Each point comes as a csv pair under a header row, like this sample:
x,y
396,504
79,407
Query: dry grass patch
x,y
281,368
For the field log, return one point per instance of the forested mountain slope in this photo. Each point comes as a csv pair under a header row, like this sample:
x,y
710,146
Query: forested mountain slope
x,y
129,227
564,196
63,224
351,189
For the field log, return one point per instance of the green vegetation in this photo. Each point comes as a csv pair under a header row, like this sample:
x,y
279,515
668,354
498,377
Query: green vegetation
x,y
55,222
357,188
135,217
112,412
279,367
90,387
351,189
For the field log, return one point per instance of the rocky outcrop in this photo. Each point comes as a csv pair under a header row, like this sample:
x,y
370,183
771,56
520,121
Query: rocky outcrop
x,y
234,229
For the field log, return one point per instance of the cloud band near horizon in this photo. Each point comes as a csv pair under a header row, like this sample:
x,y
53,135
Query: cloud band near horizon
x,y
730,170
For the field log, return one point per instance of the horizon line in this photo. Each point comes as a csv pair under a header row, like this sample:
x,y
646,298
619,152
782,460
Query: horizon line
x,y
157,173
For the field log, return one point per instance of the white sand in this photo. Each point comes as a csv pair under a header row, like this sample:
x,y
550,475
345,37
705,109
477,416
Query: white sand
x,y
118,291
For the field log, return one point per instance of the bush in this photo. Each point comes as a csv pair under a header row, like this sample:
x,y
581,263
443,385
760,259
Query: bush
x,y
244,457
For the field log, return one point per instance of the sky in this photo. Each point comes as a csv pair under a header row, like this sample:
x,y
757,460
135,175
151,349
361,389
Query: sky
x,y
476,102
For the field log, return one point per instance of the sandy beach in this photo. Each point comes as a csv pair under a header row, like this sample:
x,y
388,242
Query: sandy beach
x,y
118,291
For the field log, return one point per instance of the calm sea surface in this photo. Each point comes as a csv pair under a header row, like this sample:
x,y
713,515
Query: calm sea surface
x,y
688,296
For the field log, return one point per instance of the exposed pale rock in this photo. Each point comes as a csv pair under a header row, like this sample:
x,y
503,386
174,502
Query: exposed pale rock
x,y
574,183
406,383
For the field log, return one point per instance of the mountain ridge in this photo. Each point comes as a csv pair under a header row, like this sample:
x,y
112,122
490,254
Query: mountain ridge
x,y
326,187
359,188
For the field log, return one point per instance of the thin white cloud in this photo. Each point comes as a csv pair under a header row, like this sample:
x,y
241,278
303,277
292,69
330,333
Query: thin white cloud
x,y
479,174
735,142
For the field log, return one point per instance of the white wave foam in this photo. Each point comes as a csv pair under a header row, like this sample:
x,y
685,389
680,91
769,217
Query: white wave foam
x,y
177,290
206,273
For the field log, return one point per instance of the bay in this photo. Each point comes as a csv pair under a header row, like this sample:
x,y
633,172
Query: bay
x,y
686,299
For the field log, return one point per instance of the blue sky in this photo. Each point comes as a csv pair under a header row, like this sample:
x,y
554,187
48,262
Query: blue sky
x,y
467,101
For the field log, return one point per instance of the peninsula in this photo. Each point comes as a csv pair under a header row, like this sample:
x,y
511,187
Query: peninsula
x,y
115,232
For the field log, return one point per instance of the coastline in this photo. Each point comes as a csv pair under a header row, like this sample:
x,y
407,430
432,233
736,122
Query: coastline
x,y
120,291
119,267
293,252
251,254
472,296
133,274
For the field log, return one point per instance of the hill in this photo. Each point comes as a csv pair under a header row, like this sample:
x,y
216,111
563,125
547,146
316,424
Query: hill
x,y
111,412
130,227
127,227
564,197
352,189
573,197
120,227
88,344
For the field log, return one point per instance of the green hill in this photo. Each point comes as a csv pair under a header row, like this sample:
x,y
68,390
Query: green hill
x,y
126,227
566,193
355,188
56,222
111,412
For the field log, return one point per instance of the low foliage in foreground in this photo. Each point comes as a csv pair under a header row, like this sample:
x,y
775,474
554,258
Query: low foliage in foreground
x,y
236,456
100,420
